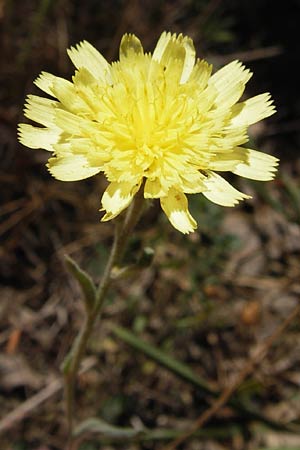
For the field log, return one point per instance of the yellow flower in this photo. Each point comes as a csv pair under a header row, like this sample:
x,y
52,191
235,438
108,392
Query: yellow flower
x,y
162,118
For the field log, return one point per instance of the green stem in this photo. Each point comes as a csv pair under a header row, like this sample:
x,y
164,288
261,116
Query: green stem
x,y
71,365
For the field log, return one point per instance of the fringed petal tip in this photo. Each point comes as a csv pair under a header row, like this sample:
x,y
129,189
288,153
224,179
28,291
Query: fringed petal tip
x,y
258,166
35,137
171,47
20,131
247,163
130,44
45,81
252,110
84,55
219,191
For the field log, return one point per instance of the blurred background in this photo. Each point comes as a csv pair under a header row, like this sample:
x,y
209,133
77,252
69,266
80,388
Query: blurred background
x,y
208,300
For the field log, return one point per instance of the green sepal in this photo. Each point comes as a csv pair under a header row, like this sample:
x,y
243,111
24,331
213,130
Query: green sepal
x,y
85,281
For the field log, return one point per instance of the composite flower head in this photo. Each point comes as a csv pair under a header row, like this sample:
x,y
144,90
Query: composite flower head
x,y
160,120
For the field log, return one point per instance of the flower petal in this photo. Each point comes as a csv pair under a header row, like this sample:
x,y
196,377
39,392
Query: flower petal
x,y
34,137
228,159
161,46
221,192
252,110
172,47
130,44
201,74
45,82
40,110
191,181
175,206
230,83
86,56
258,165
71,168
69,97
246,163
153,189
76,125
116,198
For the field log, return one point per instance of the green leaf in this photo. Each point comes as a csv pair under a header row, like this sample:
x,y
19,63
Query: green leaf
x,y
113,433
86,283
95,425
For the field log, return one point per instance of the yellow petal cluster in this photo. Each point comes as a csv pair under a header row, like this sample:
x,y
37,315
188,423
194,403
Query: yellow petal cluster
x,y
164,119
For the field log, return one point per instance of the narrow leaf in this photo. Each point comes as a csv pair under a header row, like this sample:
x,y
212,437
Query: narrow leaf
x,y
113,433
95,425
86,283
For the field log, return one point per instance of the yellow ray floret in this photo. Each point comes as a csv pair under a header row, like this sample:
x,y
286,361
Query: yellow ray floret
x,y
162,123
175,205
117,197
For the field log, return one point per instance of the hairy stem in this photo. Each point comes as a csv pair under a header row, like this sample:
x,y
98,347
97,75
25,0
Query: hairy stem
x,y
72,362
